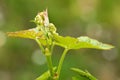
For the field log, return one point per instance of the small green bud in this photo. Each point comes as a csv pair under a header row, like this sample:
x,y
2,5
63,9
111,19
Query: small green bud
x,y
47,52
42,18
38,20
52,28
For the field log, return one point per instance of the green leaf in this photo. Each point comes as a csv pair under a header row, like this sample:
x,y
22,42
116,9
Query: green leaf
x,y
66,42
85,74
30,33
80,42
45,75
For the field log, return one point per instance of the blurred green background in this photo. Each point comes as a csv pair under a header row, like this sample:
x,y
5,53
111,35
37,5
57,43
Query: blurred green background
x,y
21,59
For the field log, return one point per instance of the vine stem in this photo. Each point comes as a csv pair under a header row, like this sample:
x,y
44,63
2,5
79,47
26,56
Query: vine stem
x,y
50,65
48,57
61,62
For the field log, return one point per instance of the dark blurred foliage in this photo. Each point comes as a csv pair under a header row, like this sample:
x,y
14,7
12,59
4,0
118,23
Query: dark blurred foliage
x,y
20,59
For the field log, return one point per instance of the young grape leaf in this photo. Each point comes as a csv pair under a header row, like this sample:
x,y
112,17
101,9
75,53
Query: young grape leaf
x,y
80,42
85,74
66,42
30,33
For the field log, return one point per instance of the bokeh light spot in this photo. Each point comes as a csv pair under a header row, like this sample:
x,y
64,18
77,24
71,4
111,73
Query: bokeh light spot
x,y
38,57
2,38
110,55
94,30
4,75
2,21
